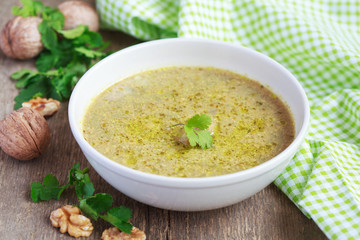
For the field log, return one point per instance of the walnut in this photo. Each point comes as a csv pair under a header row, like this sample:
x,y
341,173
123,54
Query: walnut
x,y
69,219
20,38
46,107
24,134
115,234
77,13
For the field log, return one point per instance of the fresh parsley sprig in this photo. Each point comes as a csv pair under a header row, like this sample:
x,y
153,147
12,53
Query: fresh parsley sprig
x,y
196,133
66,57
95,206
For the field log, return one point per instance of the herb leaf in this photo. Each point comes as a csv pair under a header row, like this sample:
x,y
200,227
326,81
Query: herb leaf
x,y
204,139
46,61
95,206
80,179
89,53
202,121
66,57
191,135
21,73
54,18
73,33
30,8
37,86
88,38
48,35
119,217
47,190
196,133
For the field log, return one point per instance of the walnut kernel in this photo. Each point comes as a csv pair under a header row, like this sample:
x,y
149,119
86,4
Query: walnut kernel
x,y
115,234
46,107
69,219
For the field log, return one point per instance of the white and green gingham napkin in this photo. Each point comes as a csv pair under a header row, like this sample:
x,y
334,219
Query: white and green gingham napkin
x,y
319,42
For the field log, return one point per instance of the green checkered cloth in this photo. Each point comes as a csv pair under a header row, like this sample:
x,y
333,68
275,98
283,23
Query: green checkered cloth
x,y
319,42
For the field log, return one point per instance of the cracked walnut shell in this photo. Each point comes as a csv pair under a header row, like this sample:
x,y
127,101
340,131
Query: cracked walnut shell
x,y
46,107
70,220
115,234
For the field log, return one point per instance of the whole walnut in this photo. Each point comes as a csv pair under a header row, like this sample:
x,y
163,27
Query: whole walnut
x,y
77,13
20,38
24,134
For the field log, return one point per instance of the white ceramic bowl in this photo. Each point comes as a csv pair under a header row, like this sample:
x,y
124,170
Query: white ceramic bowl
x,y
188,194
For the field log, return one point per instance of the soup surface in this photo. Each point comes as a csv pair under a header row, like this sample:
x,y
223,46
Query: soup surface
x,y
130,122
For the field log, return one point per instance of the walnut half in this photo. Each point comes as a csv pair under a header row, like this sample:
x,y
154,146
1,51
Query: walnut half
x,y
46,107
115,234
69,219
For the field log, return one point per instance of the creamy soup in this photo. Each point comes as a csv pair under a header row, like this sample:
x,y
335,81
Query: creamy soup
x,y
130,122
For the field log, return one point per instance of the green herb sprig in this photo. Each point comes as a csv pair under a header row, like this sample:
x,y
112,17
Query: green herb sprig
x,y
66,57
195,131
95,206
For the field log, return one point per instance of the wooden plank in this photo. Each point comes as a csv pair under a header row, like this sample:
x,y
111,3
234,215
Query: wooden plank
x,y
267,215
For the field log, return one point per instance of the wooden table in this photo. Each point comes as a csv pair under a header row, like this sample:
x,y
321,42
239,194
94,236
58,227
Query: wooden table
x,y
267,215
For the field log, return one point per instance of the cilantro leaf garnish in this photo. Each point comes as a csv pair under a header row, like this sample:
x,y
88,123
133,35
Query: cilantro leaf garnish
x,y
202,138
63,50
95,206
202,121
196,132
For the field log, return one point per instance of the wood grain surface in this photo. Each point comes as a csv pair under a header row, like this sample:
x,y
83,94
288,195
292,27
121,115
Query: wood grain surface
x,y
267,215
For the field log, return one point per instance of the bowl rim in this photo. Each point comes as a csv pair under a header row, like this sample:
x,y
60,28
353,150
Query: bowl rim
x,y
178,182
